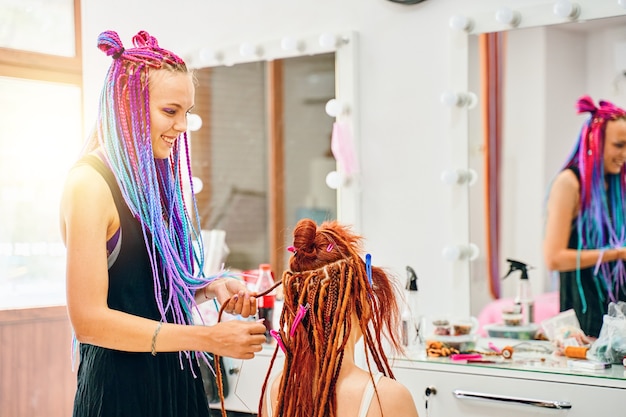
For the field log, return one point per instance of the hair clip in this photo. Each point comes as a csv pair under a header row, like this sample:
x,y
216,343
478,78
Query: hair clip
x,y
329,247
302,310
279,340
291,249
368,268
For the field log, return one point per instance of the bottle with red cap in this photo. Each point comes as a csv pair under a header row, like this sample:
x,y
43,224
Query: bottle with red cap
x,y
265,303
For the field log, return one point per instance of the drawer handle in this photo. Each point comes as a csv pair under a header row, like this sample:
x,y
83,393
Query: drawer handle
x,y
558,405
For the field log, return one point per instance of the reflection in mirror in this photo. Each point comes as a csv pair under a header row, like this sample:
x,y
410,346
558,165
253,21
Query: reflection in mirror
x,y
543,76
263,152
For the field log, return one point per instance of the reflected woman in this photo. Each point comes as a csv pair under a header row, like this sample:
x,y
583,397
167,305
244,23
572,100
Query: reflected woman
x,y
585,230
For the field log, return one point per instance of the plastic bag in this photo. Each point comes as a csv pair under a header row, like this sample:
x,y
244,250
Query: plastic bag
x,y
564,330
611,343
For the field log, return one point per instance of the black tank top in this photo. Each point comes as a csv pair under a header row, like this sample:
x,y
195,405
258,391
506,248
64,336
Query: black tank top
x,y
114,383
569,293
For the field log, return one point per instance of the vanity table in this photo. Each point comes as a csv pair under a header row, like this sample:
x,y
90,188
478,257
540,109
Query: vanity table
x,y
522,386
512,388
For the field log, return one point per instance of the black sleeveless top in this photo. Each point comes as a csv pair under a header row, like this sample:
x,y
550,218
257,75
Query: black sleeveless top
x,y
114,383
569,293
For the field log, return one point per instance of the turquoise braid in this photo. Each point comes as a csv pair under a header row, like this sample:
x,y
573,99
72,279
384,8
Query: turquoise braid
x,y
601,222
153,189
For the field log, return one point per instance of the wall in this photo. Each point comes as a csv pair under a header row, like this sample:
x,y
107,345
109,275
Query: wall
x,y
404,62
36,377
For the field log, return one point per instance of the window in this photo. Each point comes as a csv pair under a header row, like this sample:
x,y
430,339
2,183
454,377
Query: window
x,y
40,136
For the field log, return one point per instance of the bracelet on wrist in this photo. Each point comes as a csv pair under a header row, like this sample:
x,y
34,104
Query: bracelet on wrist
x,y
154,338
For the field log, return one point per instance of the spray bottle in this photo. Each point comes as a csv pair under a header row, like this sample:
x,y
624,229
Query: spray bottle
x,y
410,324
524,296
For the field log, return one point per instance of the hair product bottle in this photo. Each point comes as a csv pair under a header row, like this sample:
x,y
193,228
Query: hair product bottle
x,y
265,304
524,295
410,321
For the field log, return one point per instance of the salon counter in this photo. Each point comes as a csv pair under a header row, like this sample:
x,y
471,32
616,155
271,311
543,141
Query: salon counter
x,y
530,383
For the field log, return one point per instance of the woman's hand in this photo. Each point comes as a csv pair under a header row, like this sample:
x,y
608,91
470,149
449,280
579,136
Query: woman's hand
x,y
237,339
234,294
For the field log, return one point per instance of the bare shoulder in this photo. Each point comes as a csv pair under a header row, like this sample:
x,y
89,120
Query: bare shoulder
x,y
86,197
566,179
395,398
564,194
82,186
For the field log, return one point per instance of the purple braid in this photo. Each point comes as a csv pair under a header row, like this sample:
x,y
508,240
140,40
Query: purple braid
x,y
151,188
601,221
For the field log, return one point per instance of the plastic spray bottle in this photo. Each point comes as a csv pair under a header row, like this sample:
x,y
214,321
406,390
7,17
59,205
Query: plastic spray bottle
x,y
410,324
524,296
265,304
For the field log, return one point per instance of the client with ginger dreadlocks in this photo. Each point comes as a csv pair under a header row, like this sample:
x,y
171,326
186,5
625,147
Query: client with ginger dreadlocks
x,y
332,299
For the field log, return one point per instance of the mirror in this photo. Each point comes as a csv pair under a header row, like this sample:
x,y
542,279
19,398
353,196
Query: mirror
x,y
263,151
546,69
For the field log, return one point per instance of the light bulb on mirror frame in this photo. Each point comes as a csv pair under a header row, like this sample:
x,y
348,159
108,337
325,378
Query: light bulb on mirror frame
x,y
334,107
461,23
508,16
328,40
335,179
460,99
249,50
209,56
459,176
194,122
198,184
291,44
566,9
454,253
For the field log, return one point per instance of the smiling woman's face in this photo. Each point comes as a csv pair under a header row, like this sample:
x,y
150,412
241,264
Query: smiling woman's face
x,y
171,98
615,146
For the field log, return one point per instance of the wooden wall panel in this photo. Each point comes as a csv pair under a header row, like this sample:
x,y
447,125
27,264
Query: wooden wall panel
x,y
36,377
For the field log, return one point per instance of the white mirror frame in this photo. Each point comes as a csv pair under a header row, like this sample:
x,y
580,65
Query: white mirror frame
x,y
344,44
485,22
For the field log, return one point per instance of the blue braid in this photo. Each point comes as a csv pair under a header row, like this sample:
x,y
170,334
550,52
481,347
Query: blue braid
x,y
153,190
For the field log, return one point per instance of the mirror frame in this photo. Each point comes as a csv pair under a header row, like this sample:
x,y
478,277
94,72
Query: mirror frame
x,y
344,46
458,131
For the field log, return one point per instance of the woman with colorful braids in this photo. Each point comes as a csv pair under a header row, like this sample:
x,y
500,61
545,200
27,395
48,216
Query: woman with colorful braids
x,y
585,230
134,274
333,298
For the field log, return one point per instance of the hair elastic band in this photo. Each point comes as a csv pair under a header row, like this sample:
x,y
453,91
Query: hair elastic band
x,y
368,268
118,53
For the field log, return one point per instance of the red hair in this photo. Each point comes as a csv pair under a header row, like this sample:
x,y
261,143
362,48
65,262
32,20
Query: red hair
x,y
328,276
